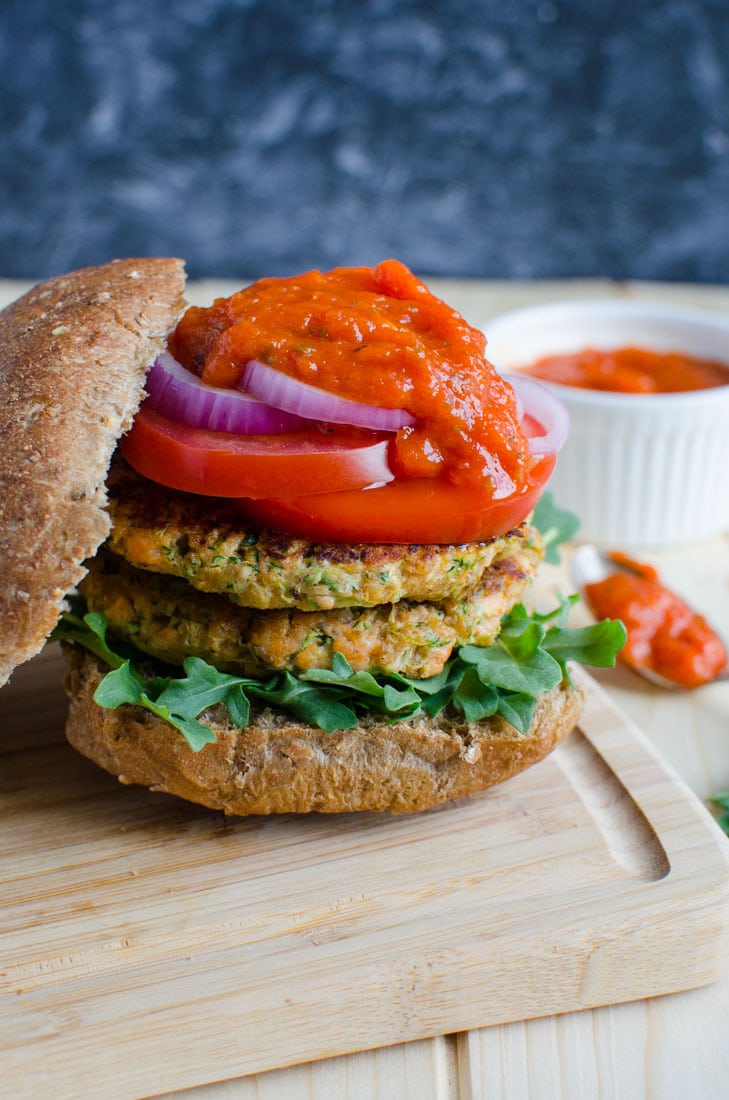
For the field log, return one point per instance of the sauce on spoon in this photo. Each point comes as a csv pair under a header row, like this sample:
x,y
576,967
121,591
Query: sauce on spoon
x,y
665,636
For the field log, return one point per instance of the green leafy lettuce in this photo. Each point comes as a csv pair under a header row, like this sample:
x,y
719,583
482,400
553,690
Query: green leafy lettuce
x,y
529,656
721,801
556,525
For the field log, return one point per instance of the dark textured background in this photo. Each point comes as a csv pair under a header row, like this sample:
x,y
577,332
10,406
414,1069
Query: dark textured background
x,y
510,139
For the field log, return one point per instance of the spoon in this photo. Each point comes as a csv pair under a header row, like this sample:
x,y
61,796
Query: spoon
x,y
589,566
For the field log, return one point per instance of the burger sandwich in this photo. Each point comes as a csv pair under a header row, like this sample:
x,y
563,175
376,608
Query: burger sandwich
x,y
284,539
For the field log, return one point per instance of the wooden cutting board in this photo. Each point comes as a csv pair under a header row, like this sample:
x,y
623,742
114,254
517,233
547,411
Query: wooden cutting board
x,y
147,945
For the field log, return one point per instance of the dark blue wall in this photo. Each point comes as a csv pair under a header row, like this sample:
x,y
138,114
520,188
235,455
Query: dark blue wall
x,y
502,139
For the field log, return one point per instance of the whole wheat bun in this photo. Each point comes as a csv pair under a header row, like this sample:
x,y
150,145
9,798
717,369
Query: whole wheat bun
x,y
73,355
277,765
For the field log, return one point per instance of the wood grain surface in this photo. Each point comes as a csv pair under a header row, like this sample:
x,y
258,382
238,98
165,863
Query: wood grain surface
x,y
663,1047
130,920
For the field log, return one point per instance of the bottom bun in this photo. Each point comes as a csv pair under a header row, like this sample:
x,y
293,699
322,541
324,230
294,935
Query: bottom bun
x,y
279,765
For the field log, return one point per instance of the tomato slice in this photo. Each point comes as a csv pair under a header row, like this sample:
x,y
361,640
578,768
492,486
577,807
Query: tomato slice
x,y
427,511
219,464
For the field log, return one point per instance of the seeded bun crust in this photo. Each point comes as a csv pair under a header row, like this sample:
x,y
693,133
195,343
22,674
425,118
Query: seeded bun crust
x,y
279,765
73,355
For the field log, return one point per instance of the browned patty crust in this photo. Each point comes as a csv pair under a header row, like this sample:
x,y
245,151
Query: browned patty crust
x,y
280,765
212,546
168,619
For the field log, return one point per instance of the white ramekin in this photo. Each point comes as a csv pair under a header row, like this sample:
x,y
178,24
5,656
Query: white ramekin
x,y
639,470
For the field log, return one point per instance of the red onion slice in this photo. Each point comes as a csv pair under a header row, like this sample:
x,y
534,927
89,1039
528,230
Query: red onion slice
x,y
178,394
540,404
276,388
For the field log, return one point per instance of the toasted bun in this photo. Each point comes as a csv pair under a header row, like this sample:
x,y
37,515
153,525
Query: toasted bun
x,y
277,765
73,355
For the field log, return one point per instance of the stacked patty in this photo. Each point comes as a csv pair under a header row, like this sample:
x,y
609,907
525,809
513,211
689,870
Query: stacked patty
x,y
186,576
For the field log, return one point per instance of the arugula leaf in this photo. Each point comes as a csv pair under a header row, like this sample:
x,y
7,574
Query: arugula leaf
x,y
178,701
559,615
722,801
556,525
475,699
122,685
445,686
312,704
90,632
202,686
594,645
195,733
239,707
392,699
517,708
537,672
433,685
529,657
521,637
125,684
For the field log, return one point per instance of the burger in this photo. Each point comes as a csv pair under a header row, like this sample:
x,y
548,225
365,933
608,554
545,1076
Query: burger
x,y
283,539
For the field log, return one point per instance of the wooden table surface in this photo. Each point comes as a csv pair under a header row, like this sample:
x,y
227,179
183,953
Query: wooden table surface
x,y
664,1048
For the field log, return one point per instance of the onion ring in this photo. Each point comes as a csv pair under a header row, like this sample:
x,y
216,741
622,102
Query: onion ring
x,y
177,394
540,405
278,389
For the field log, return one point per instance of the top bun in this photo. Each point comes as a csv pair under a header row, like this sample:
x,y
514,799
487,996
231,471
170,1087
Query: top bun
x,y
74,352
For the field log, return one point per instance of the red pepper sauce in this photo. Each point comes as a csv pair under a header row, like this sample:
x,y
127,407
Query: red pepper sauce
x,y
375,335
631,370
664,634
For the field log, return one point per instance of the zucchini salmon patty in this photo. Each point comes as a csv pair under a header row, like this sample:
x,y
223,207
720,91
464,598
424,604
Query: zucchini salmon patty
x,y
191,577
216,549
168,619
